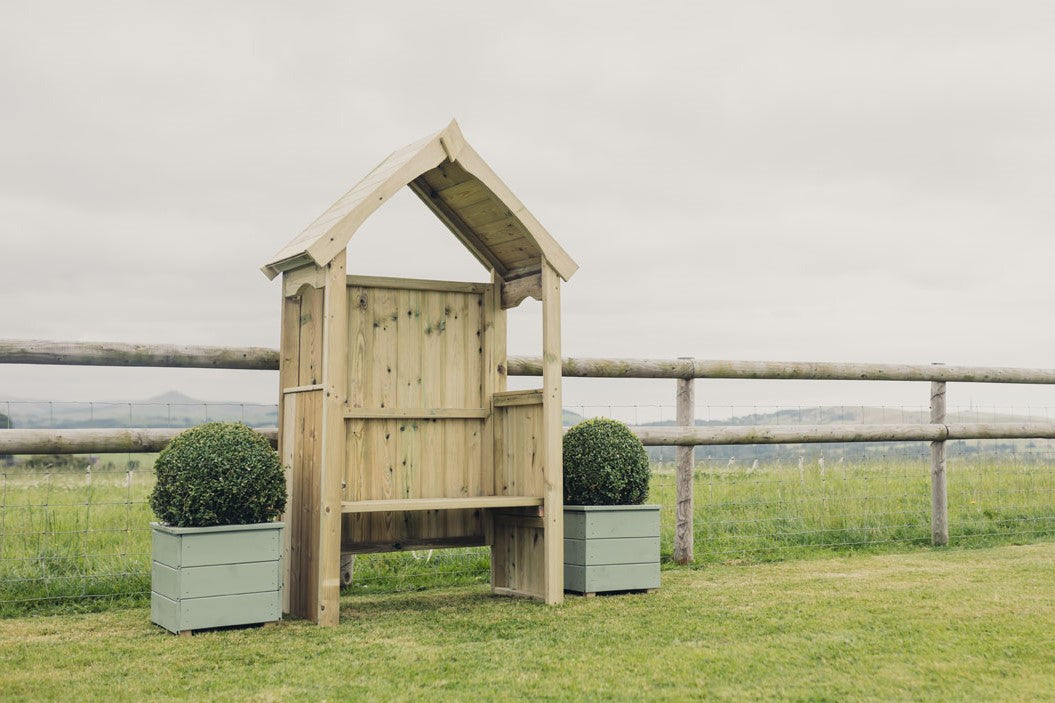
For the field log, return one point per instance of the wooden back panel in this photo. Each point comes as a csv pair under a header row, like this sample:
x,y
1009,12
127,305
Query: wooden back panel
x,y
417,406
416,349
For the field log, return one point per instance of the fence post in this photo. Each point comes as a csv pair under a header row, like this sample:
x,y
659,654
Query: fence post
x,y
939,501
685,459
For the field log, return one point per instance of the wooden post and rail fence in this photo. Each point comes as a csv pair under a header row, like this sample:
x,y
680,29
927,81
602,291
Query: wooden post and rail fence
x,y
685,436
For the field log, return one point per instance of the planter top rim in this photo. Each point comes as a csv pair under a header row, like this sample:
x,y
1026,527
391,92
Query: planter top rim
x,y
216,528
602,508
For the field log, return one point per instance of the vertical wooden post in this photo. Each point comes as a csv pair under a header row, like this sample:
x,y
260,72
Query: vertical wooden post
x,y
494,375
494,381
683,527
939,501
552,435
331,470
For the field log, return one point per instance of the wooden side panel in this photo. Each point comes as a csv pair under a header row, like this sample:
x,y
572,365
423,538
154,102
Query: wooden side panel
x,y
309,355
288,376
519,451
517,558
521,540
300,364
289,345
302,446
286,452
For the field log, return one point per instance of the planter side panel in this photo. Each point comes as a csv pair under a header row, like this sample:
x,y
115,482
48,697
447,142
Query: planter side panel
x,y
218,580
214,611
220,611
230,547
166,548
618,550
611,577
606,524
165,612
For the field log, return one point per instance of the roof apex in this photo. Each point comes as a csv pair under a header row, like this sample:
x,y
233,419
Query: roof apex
x,y
458,187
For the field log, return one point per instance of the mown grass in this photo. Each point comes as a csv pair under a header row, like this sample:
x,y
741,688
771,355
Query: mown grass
x,y
71,541
929,625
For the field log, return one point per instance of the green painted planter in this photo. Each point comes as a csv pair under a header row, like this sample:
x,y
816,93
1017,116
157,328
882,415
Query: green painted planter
x,y
204,577
611,548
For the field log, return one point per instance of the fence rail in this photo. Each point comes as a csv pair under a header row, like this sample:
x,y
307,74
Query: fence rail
x,y
95,441
119,441
812,434
35,351
686,434
780,370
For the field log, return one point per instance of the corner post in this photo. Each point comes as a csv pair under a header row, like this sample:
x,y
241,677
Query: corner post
x,y
331,468
494,381
683,528
939,502
553,467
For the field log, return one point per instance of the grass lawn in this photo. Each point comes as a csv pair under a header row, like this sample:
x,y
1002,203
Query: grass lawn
x,y
73,540
961,624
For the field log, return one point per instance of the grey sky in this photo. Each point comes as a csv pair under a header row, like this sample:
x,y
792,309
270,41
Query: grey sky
x,y
808,180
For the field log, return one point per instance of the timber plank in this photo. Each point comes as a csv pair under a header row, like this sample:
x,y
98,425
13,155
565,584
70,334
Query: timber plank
x,y
418,504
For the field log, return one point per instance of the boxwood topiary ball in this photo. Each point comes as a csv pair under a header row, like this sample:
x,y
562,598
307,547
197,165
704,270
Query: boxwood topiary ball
x,y
219,473
604,464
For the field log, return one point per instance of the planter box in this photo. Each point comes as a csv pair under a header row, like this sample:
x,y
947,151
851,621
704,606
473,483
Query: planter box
x,y
611,548
204,577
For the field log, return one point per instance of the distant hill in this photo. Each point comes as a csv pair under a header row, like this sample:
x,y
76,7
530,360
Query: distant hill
x,y
171,409
570,418
174,397
827,415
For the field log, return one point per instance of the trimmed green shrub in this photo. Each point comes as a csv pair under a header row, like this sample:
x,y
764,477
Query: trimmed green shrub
x,y
219,473
604,464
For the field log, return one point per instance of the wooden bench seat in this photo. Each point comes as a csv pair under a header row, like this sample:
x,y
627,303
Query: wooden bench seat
x,y
404,504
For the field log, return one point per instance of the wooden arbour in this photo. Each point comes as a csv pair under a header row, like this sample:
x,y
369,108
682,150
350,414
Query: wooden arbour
x,y
395,425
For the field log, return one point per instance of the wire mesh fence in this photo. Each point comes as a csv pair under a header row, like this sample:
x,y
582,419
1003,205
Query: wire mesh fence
x,y
804,502
74,530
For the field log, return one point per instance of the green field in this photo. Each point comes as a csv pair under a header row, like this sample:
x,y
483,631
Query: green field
x,y
70,540
954,624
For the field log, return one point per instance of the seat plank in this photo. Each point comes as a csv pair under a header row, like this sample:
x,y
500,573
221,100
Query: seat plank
x,y
406,504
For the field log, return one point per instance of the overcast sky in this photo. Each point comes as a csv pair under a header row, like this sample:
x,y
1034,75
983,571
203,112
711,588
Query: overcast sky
x,y
866,181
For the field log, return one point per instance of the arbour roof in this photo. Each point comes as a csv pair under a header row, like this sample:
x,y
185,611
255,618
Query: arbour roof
x,y
459,188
